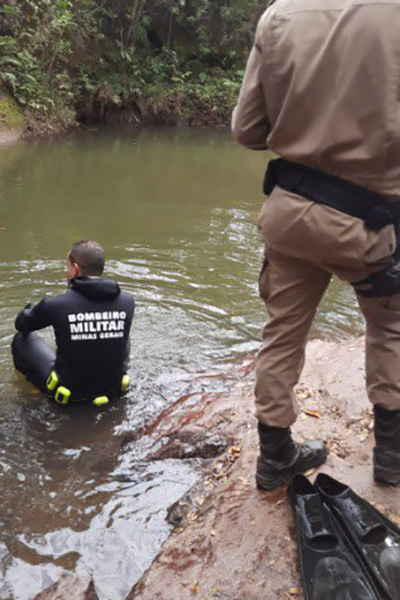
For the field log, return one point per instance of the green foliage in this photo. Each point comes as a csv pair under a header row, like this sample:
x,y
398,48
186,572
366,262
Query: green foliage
x,y
37,45
10,114
69,54
208,103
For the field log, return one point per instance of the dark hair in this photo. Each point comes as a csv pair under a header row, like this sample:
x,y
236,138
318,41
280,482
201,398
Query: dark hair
x,y
89,255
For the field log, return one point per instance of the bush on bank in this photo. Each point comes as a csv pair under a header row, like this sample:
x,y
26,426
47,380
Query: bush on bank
x,y
168,60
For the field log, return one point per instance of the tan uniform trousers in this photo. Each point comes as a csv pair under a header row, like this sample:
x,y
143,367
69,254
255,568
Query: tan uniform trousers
x,y
305,244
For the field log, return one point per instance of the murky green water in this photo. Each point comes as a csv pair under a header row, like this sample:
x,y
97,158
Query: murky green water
x,y
176,212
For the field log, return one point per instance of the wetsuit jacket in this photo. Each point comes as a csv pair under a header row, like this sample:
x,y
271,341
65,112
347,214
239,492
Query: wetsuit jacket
x,y
91,323
322,88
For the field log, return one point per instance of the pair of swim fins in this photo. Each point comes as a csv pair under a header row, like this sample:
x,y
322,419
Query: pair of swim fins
x,y
348,549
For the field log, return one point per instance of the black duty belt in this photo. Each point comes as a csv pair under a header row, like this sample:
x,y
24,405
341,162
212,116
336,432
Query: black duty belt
x,y
375,210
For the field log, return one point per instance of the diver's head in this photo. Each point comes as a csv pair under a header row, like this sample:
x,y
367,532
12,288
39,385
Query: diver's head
x,y
86,258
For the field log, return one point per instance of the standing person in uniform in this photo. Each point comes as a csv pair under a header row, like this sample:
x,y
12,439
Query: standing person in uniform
x,y
91,322
322,91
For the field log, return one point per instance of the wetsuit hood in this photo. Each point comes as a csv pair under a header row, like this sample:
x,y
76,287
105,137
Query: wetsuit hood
x,y
95,288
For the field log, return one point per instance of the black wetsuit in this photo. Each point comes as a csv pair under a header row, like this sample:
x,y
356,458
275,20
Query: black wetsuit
x,y
91,323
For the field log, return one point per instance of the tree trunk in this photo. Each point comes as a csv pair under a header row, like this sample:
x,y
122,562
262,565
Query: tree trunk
x,y
134,16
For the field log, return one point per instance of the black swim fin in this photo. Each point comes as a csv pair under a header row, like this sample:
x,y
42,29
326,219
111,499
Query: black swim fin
x,y
329,568
374,536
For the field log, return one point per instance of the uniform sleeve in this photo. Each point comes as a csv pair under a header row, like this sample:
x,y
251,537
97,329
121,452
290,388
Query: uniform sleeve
x,y
35,317
250,125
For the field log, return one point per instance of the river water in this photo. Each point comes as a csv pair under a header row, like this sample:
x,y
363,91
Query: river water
x,y
177,213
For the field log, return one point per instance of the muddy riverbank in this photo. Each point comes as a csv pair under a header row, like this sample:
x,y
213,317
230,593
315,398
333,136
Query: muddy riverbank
x,y
231,541
167,106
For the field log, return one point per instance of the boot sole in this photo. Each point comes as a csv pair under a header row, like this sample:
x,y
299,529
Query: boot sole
x,y
269,484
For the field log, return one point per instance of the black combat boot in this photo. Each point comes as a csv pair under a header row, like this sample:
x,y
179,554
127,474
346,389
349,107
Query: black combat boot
x,y
280,457
387,449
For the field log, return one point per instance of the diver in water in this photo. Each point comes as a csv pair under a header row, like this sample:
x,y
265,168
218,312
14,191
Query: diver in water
x,y
91,322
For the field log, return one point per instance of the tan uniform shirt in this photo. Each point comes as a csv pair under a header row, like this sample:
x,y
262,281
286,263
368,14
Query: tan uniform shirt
x,y
322,88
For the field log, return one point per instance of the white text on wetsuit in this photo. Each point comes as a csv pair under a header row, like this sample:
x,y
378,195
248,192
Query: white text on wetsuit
x,y
97,325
